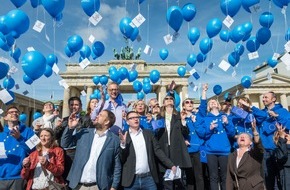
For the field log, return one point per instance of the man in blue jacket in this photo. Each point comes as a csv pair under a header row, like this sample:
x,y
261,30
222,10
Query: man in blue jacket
x,y
96,164
267,119
13,140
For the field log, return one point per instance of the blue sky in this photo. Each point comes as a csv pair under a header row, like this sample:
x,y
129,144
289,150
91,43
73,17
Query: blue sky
x,y
75,21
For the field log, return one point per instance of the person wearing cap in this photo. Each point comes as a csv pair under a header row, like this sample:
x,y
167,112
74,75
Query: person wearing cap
x,y
114,104
171,139
244,165
217,131
267,118
13,137
194,175
139,150
48,119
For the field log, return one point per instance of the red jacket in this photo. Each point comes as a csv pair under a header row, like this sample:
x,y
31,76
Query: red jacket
x,y
55,166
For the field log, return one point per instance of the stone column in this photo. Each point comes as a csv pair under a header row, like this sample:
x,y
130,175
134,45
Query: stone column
x,y
161,94
75,92
65,107
89,93
283,100
261,104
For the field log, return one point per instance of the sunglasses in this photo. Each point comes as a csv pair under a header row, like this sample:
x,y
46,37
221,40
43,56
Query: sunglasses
x,y
168,98
188,102
130,118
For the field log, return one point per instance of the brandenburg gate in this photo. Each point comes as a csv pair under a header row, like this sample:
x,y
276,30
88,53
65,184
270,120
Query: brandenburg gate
x,y
78,78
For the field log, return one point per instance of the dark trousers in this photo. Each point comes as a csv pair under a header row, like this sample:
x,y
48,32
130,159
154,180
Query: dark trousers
x,y
13,184
194,175
214,163
271,172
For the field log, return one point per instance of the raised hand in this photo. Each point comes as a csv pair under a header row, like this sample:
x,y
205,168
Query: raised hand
x,y
73,120
123,137
281,130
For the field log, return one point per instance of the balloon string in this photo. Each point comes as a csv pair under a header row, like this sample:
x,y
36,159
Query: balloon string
x,y
148,21
166,10
138,7
126,7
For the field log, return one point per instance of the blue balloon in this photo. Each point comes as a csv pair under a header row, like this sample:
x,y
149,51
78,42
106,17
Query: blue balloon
x,y
174,17
272,62
249,3
238,33
247,27
27,80
4,68
85,51
137,86
114,75
181,71
263,35
35,3
3,26
125,27
234,58
225,35
146,80
239,49
8,83
33,64
54,8
193,35
205,45
17,21
18,3
176,99
94,96
140,95
22,118
163,53
68,52
200,57
132,75
188,12
36,115
15,54
104,79
230,7
111,68
246,81
280,3
191,59
90,6
96,80
98,48
252,44
287,35
96,91
48,71
147,88
123,72
247,36
51,59
217,89
9,39
154,76
266,19
213,27
141,1
134,34
75,43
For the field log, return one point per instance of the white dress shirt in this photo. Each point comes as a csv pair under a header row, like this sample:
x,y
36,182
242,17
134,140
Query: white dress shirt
x,y
89,171
138,140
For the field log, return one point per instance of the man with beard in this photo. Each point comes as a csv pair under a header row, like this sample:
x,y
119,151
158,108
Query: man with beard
x,y
96,164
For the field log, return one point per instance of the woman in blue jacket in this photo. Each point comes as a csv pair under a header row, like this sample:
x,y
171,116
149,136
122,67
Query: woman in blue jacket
x,y
217,131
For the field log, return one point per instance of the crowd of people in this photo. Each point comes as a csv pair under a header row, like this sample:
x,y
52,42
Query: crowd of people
x,y
114,146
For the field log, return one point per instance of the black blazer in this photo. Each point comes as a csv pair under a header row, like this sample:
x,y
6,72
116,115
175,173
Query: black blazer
x,y
177,152
128,158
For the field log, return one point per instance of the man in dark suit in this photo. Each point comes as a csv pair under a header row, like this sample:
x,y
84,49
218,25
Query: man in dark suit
x,y
139,148
96,164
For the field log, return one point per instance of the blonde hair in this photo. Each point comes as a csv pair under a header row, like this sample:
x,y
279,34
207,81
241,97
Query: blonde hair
x,y
208,105
248,109
53,142
135,104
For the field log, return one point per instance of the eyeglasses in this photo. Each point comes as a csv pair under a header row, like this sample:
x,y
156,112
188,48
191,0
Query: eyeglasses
x,y
13,112
188,102
168,98
136,117
113,89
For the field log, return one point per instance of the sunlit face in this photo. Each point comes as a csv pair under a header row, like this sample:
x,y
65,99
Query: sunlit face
x,y
48,107
74,106
268,99
244,140
168,100
154,106
133,120
188,105
140,107
93,103
12,115
213,104
113,90
102,118
45,138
